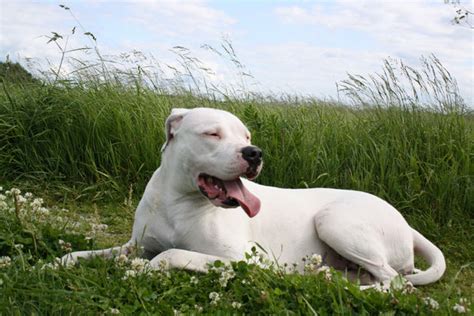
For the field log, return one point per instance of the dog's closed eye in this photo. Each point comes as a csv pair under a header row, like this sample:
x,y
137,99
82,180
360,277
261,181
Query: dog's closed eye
x,y
212,134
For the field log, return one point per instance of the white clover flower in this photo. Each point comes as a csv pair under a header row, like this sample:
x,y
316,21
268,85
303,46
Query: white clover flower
x,y
99,227
121,260
65,246
3,205
129,274
460,309
225,276
194,280
215,297
217,269
114,311
21,199
28,195
383,287
432,303
198,308
310,268
236,305
461,306
140,265
316,259
1,188
15,191
43,211
50,265
326,271
311,264
5,262
36,204
2,197
259,260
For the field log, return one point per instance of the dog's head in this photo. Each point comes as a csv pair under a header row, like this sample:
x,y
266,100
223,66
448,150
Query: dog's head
x,y
213,148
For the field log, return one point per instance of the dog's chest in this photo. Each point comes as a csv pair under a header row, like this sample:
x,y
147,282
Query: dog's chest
x,y
213,234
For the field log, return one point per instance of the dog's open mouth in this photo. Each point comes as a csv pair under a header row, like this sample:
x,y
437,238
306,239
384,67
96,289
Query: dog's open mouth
x,y
230,193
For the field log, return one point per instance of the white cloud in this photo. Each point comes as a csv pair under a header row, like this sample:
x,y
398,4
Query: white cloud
x,y
24,22
190,23
181,18
26,28
397,29
301,68
415,26
23,26
401,30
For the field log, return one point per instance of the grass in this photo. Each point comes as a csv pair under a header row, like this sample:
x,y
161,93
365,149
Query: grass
x,y
32,284
90,146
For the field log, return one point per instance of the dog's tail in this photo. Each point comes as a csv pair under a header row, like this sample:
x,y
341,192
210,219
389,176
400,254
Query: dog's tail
x,y
432,255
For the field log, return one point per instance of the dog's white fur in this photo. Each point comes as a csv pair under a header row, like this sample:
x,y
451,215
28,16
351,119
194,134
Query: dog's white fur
x,y
175,223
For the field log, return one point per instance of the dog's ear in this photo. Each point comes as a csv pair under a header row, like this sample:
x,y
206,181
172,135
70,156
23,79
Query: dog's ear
x,y
173,122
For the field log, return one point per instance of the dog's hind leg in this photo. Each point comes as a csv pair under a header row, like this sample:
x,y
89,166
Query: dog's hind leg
x,y
356,243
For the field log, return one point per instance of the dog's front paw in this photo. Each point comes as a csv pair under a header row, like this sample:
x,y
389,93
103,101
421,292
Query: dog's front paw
x,y
181,259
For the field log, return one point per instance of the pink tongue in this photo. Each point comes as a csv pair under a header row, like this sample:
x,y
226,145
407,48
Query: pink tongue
x,y
249,202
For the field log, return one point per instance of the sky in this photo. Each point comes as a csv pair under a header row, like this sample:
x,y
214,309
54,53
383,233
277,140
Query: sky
x,y
288,47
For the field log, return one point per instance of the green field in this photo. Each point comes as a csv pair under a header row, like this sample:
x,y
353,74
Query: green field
x,y
90,147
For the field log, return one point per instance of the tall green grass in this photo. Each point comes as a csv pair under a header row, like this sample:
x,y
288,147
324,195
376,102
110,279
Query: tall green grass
x,y
416,158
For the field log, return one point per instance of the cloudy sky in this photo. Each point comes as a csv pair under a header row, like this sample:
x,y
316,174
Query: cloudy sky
x,y
300,47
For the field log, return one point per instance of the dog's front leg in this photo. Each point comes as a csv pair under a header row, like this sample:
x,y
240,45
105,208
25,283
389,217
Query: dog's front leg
x,y
185,259
104,253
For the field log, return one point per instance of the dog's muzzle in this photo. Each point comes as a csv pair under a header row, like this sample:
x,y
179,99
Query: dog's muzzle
x,y
228,193
232,192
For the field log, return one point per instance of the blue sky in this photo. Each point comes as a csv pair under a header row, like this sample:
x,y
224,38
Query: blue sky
x,y
300,47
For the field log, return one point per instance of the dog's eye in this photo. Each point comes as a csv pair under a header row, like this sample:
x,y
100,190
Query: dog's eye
x,y
212,134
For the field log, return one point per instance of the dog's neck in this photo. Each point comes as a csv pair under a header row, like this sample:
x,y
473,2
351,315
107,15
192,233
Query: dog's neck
x,y
177,187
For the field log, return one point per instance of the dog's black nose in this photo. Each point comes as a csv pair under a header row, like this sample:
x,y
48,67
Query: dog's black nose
x,y
252,154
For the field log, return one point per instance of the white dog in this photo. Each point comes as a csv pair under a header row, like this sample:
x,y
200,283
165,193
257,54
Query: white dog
x,y
196,209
